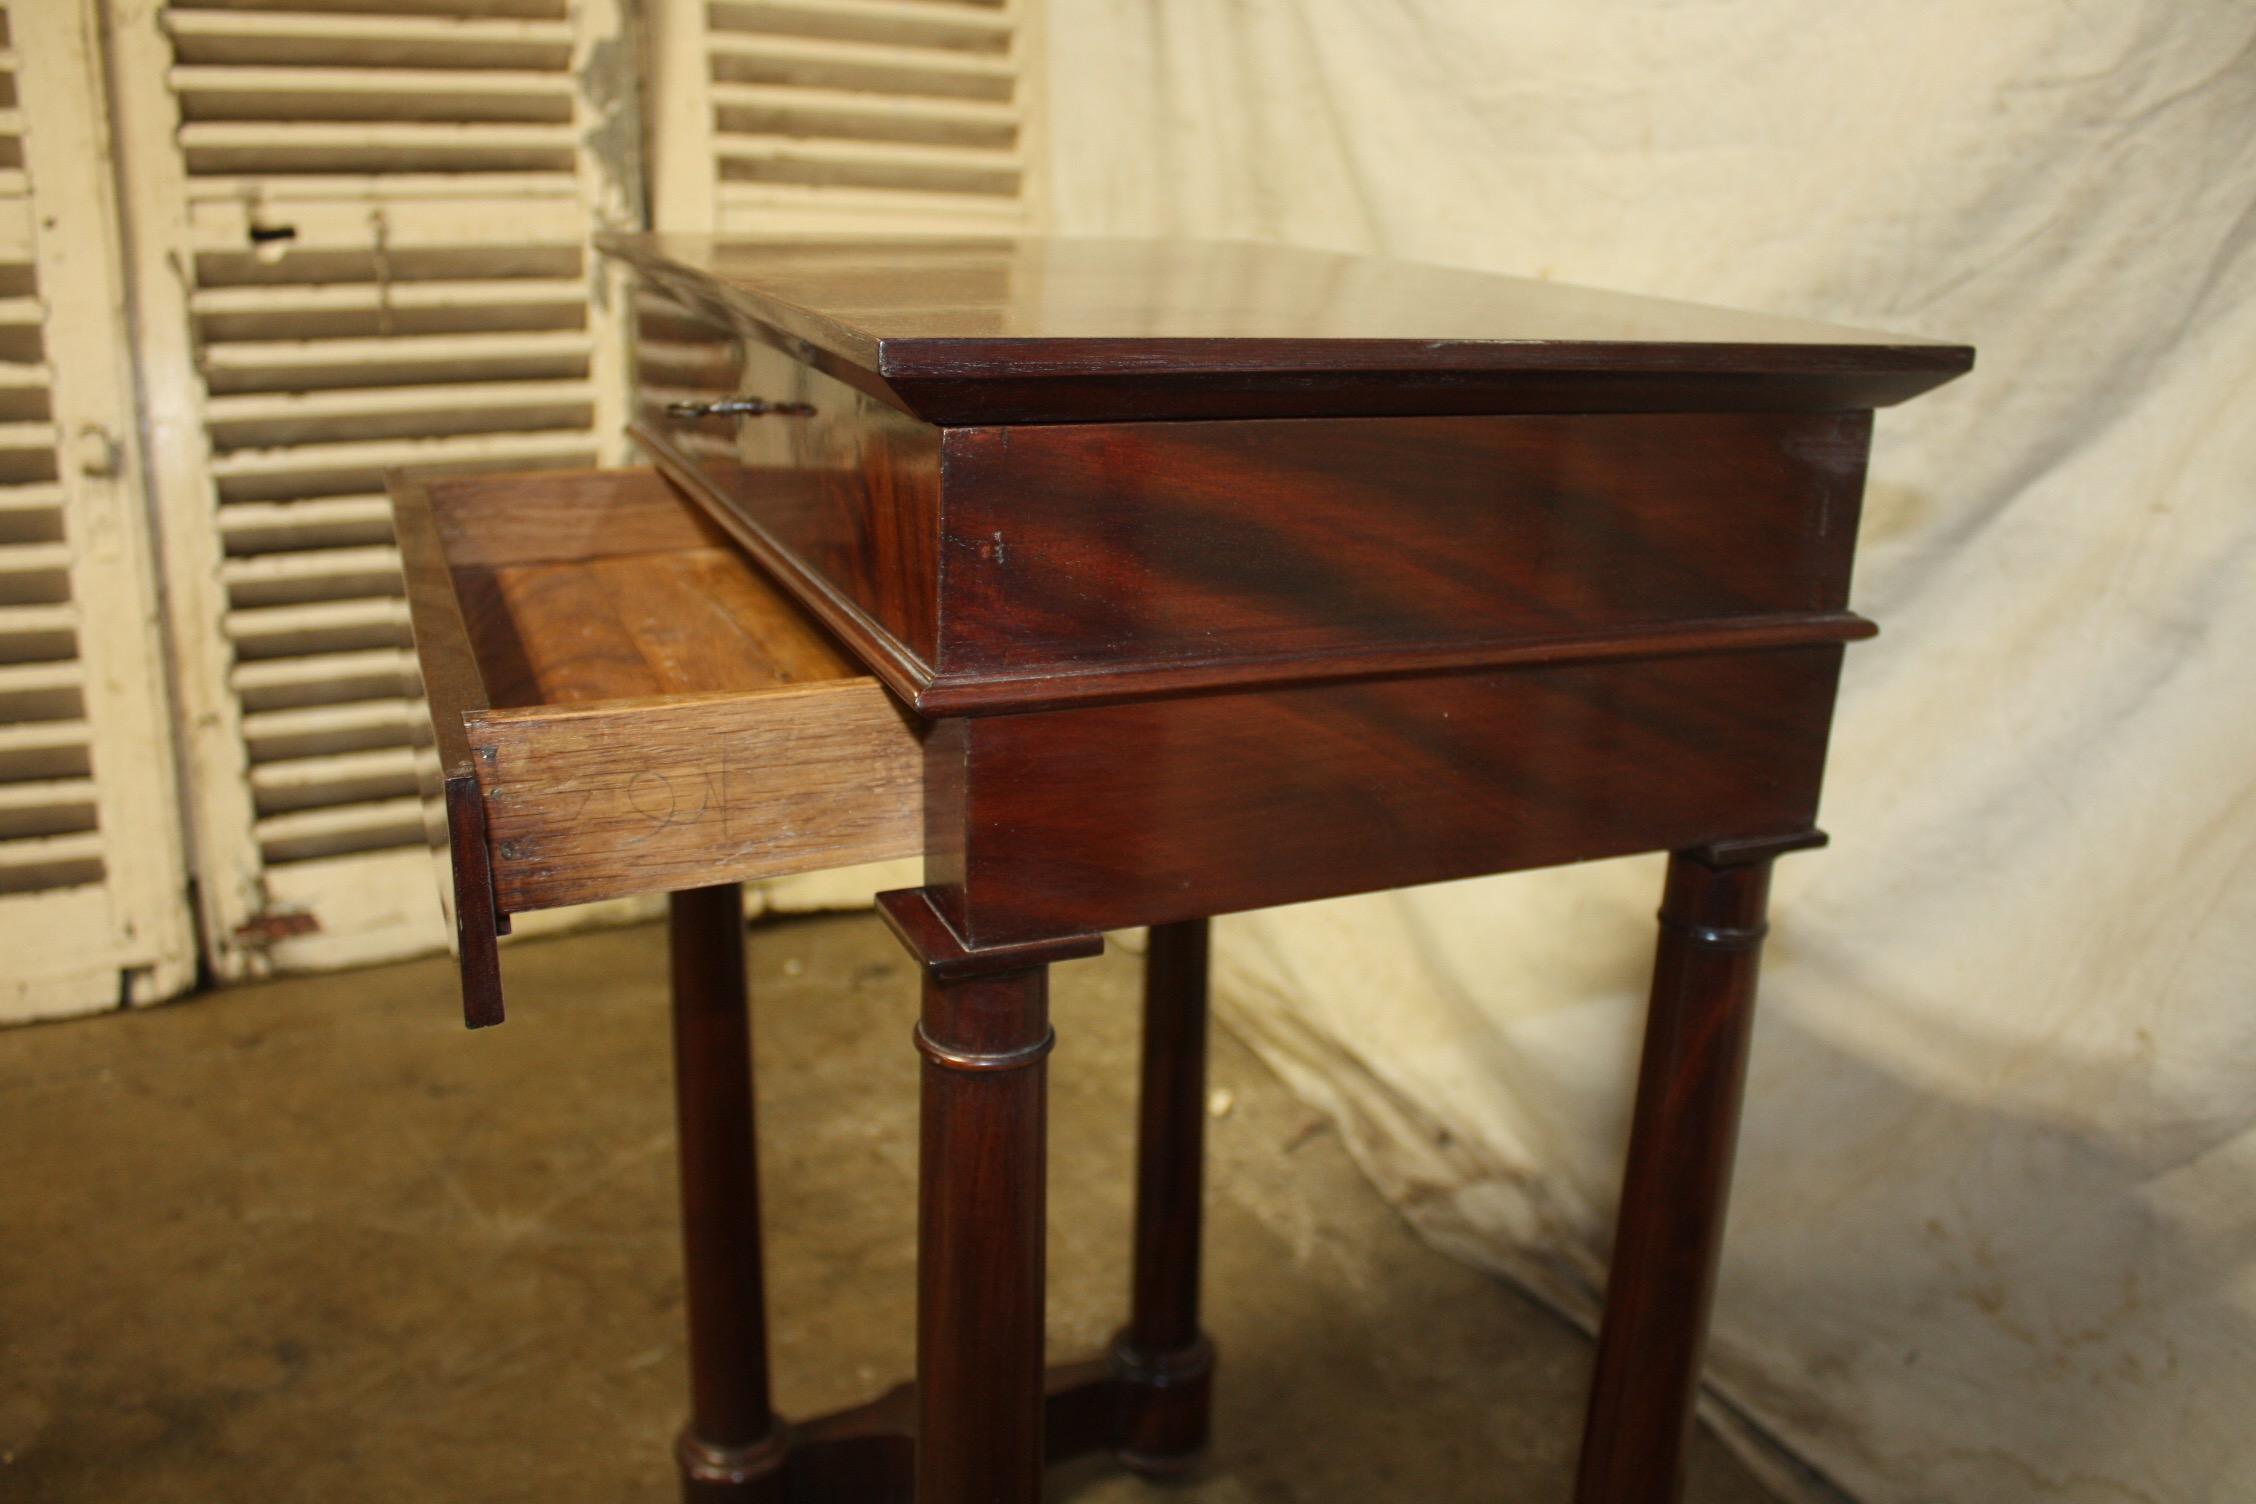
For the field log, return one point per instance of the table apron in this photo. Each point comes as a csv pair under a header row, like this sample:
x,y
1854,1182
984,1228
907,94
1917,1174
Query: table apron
x,y
1112,816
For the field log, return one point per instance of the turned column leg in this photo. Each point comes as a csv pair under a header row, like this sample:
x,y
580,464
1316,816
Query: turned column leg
x,y
985,1036
733,1446
1670,1226
1166,1363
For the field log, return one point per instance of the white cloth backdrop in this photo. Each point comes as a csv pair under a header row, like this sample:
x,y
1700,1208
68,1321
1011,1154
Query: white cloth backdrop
x,y
1994,1233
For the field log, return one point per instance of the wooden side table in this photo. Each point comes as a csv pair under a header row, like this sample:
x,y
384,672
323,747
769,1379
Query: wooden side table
x,y
1188,579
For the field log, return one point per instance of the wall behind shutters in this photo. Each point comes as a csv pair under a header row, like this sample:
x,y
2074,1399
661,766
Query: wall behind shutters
x,y
359,242
93,900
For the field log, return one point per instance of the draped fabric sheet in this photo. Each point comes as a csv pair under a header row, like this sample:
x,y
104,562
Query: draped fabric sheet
x,y
1994,1230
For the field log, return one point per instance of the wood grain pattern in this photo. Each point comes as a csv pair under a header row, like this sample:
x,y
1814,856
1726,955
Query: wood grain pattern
x,y
452,682
1120,546
851,491
1043,331
561,627
1069,667
1670,1227
982,1160
478,918
452,675
1165,1361
640,796
703,621
1156,811
1234,576
733,1430
635,719
552,516
984,569
631,626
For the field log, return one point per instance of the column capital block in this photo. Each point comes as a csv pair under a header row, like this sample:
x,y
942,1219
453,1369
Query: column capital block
x,y
920,926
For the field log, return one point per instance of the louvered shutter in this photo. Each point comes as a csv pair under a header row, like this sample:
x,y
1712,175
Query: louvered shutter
x,y
775,116
93,887
360,232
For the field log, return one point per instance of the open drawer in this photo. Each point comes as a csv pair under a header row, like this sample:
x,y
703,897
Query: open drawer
x,y
621,704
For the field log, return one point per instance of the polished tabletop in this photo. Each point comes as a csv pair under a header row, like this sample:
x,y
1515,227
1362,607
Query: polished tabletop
x,y
1308,327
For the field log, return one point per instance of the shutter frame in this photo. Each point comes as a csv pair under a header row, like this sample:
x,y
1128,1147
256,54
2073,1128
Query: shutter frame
x,y
125,937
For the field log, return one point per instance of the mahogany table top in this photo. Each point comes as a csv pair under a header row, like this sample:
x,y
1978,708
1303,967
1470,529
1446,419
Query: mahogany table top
x,y
1047,330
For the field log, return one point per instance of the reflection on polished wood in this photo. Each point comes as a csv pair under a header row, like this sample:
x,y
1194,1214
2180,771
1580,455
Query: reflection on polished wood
x,y
1057,330
1191,579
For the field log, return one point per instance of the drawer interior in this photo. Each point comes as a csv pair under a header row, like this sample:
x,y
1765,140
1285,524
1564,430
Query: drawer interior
x,y
607,585
621,703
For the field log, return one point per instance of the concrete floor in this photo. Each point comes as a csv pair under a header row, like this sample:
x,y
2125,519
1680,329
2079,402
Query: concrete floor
x,y
310,1240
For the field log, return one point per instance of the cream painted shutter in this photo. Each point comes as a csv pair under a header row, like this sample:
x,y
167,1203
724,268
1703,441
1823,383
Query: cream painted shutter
x,y
360,241
772,116
93,886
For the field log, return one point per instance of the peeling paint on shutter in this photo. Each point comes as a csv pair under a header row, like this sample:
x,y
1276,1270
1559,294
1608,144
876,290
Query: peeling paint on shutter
x,y
360,242
93,884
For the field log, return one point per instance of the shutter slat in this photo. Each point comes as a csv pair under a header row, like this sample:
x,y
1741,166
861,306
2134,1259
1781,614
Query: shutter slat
x,y
46,749
422,94
531,10
295,364
291,578
15,229
318,469
288,146
350,727
743,204
32,866
339,778
365,40
277,190
321,678
42,808
46,692
749,57
305,835
847,114
270,420
38,634
319,626
888,21
252,528
33,558
328,298
865,164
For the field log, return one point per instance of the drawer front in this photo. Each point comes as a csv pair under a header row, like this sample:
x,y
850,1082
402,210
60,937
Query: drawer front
x,y
601,801
846,486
